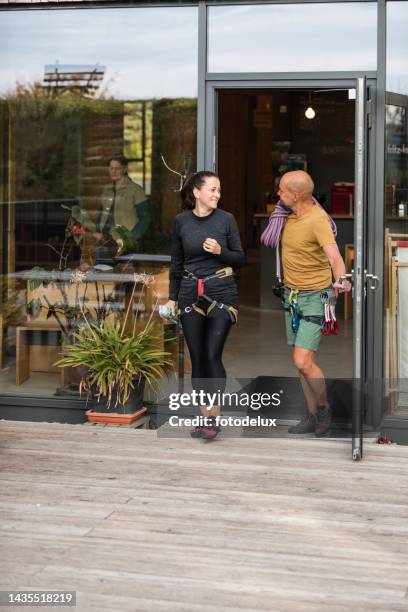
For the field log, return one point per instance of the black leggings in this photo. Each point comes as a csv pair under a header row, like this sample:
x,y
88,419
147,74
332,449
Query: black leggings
x,y
205,338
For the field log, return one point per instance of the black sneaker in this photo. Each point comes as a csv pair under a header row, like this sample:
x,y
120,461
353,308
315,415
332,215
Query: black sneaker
x,y
306,425
323,420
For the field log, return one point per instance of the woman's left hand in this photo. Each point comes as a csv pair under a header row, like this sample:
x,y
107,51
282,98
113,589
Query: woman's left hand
x,y
211,246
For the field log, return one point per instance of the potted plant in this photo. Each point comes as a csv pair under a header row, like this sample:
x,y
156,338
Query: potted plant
x,y
116,360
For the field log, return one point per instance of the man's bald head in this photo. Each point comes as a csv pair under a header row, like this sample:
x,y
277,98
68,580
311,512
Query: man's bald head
x,y
299,182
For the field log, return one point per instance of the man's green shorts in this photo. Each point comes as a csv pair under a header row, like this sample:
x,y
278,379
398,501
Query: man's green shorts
x,y
309,303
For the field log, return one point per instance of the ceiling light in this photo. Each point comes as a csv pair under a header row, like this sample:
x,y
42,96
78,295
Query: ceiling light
x,y
310,113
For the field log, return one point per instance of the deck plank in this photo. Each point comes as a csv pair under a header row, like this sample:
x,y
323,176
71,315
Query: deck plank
x,y
135,521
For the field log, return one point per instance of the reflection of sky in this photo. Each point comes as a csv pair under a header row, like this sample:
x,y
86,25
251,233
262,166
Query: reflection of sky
x,y
397,47
149,52
278,38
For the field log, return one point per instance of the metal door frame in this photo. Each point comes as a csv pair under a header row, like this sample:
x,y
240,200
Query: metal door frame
x,y
365,182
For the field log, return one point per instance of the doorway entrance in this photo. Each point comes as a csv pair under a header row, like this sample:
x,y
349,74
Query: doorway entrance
x,y
261,135
264,133
255,133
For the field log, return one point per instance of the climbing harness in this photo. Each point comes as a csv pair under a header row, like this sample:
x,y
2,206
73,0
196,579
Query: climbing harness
x,y
222,273
328,323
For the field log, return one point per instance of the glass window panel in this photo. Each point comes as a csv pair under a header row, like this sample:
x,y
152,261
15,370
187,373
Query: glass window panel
x,y
293,38
76,88
396,211
397,47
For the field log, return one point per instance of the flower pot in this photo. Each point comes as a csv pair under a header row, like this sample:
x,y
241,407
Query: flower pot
x,y
133,404
114,418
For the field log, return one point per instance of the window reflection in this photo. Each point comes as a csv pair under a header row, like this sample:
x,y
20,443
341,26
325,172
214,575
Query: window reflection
x,y
293,38
397,166
397,47
89,101
396,210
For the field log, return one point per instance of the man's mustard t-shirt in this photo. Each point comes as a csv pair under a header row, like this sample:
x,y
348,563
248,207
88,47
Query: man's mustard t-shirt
x,y
305,264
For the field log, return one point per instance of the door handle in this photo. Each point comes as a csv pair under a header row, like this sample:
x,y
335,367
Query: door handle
x,y
374,281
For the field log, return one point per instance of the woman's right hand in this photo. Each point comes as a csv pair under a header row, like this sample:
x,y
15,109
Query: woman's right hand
x,y
171,304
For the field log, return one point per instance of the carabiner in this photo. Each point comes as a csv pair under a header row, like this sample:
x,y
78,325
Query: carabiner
x,y
334,328
295,317
324,296
325,328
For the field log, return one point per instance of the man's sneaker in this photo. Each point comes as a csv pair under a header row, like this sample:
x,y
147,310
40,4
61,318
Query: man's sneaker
x,y
306,425
197,432
212,430
323,420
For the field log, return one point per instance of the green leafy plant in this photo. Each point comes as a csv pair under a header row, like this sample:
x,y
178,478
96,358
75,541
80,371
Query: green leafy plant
x,y
115,358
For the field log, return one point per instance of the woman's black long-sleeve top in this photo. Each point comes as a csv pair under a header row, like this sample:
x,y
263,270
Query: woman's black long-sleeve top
x,y
187,253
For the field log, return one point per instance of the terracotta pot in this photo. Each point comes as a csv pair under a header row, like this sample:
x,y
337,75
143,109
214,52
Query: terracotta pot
x,y
114,418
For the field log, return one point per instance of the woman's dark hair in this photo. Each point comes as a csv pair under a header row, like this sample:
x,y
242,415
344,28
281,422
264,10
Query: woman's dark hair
x,y
196,180
123,161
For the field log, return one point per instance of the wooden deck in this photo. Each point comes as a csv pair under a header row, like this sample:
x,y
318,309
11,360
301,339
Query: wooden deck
x,y
132,521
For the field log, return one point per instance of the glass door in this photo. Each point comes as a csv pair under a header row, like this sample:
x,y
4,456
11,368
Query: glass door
x,y
355,99
366,275
359,273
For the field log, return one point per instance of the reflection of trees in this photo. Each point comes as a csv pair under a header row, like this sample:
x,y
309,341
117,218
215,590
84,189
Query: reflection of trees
x,y
50,161
49,144
61,146
174,136
46,151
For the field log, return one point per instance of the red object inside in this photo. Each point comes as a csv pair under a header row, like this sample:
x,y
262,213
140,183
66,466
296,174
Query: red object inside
x,y
342,200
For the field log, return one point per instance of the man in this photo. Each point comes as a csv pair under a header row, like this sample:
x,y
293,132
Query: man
x,y
125,214
310,257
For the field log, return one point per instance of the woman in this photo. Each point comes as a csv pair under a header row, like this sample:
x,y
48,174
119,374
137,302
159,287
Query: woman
x,y
205,247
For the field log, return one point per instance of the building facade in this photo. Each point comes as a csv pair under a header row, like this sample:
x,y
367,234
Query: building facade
x,y
247,89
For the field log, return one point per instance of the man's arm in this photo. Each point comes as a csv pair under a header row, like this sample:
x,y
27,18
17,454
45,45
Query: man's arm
x,y
337,265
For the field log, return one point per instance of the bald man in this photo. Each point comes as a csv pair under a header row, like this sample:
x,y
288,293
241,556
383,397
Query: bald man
x,y
311,260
